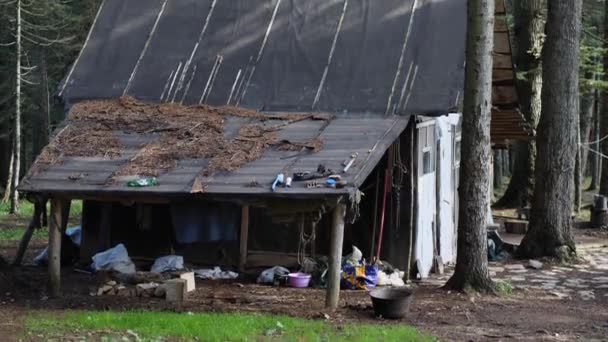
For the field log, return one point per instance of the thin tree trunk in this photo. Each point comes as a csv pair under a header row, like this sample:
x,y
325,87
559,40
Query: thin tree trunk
x,y
595,158
498,169
17,148
40,125
529,35
604,113
550,224
578,174
471,271
9,179
585,119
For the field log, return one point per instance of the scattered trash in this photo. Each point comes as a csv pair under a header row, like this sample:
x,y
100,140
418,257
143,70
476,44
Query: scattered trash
x,y
355,257
299,280
74,234
215,273
348,164
168,263
393,279
142,182
498,250
288,182
535,264
267,277
359,277
114,259
278,180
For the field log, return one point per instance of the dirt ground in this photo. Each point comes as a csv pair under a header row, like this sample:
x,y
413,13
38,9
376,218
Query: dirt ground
x,y
529,313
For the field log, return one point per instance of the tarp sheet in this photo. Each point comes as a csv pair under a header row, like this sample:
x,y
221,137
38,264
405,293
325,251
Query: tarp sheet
x,y
395,56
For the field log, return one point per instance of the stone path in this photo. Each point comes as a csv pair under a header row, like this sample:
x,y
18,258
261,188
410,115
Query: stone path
x,y
586,281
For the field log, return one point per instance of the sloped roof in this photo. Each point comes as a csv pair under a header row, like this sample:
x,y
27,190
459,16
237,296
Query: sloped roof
x,y
100,148
388,56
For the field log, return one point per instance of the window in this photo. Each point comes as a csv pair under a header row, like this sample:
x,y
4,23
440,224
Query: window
x,y
457,152
427,162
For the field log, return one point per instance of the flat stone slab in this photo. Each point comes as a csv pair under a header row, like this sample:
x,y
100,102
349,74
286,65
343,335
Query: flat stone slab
x,y
586,295
515,267
518,278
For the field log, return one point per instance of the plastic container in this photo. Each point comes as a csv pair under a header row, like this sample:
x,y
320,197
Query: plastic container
x,y
299,280
393,303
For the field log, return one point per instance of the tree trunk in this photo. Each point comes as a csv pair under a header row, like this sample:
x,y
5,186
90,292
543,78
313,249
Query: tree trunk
x,y
549,232
9,179
529,37
595,158
471,271
17,148
40,123
585,119
498,169
604,114
586,122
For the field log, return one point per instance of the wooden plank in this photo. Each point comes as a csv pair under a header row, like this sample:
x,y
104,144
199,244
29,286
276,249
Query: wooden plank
x,y
105,227
502,75
502,61
335,256
500,25
244,237
502,43
503,95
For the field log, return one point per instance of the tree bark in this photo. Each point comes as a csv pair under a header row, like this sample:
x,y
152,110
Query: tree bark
x,y
17,133
595,158
40,124
498,169
9,178
549,233
529,37
471,271
585,119
604,114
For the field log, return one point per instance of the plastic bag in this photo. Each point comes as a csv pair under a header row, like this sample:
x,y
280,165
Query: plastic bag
x,y
267,276
74,233
359,277
114,259
215,273
393,279
168,263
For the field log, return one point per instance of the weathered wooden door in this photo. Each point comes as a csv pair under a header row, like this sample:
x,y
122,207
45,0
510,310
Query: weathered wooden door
x,y
426,198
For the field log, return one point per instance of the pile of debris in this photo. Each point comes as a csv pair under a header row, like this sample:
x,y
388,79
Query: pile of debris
x,y
173,290
175,132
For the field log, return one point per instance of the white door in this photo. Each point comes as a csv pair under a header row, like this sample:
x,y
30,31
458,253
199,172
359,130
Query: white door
x,y
426,198
445,205
447,182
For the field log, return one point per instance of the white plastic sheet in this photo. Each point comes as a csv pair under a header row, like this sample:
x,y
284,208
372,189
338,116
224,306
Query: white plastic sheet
x,y
114,259
215,273
168,263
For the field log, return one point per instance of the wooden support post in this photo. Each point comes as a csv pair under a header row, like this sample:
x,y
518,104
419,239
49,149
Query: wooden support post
x,y
27,235
105,227
56,226
244,237
335,256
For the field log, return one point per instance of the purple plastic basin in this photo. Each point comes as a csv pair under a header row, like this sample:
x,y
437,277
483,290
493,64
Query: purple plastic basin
x,y
299,279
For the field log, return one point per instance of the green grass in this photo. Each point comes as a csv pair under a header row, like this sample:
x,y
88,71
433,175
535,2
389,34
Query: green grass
x,y
13,226
504,288
26,209
213,327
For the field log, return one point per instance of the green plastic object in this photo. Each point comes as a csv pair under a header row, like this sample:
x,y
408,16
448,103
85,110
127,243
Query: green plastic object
x,y
142,182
